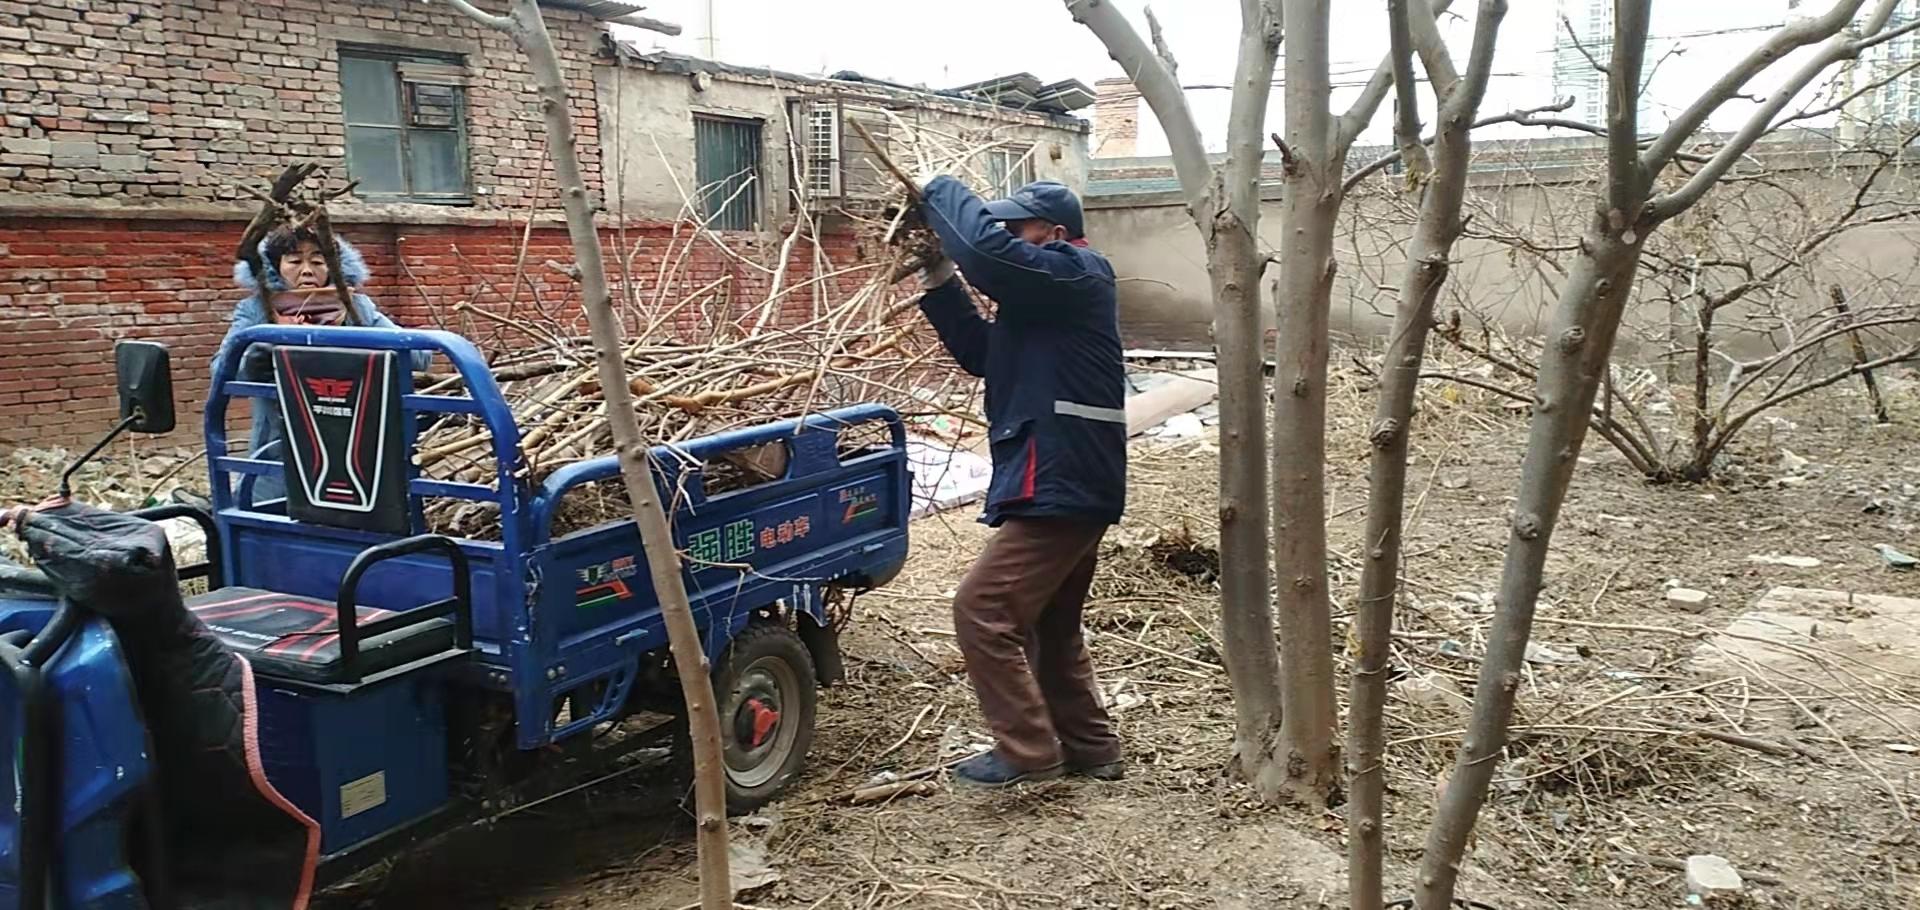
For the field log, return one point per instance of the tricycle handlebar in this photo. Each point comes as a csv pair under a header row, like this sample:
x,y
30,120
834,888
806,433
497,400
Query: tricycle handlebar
x,y
459,606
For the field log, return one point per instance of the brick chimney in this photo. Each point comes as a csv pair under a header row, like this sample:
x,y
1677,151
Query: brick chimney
x,y
1116,118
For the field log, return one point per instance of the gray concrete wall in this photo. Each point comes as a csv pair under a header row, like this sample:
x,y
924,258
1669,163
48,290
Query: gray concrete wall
x,y
1165,301
647,134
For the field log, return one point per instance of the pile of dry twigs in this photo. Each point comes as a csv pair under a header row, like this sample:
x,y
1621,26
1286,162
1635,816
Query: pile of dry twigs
x,y
735,363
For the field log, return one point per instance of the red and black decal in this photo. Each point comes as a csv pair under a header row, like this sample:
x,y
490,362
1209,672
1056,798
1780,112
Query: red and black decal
x,y
346,458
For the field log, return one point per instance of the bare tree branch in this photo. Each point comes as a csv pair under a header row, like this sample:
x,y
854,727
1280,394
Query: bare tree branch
x,y
1850,97
1881,37
1406,107
1160,48
1351,124
1753,371
1581,46
528,30
1627,176
1463,100
1740,420
1260,37
482,16
1433,51
1837,48
1160,89
1609,428
1428,263
1794,35
1522,117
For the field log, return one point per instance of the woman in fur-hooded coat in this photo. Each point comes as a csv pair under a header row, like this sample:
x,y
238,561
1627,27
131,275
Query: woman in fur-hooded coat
x,y
294,263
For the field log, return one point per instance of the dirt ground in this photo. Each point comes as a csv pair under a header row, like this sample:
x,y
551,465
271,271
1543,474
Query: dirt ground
x,y
1622,745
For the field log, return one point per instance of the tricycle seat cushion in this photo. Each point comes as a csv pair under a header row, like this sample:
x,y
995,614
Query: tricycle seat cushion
x,y
294,637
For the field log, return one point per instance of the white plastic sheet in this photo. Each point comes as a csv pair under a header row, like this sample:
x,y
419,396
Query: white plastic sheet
x,y
945,476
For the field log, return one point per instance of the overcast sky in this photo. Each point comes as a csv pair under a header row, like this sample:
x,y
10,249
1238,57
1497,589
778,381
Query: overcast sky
x,y
944,43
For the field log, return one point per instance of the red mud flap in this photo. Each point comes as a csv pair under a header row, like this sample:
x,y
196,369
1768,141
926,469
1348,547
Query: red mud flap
x,y
257,771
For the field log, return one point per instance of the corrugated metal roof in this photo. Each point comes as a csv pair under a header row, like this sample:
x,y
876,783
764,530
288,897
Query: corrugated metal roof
x,y
670,62
598,9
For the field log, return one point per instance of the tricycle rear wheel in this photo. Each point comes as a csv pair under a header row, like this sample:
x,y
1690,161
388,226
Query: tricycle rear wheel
x,y
767,697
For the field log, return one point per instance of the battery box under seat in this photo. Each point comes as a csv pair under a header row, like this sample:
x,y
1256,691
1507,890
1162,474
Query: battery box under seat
x,y
291,637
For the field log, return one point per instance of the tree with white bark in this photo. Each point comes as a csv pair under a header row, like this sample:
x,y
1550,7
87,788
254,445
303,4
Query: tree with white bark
x,y
529,31
1224,202
1645,187
1285,726
1438,183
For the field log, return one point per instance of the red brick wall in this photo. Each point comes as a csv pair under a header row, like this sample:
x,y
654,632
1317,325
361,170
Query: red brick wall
x,y
70,287
188,99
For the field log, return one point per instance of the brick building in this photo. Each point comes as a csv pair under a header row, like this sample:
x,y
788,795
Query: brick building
x,y
129,129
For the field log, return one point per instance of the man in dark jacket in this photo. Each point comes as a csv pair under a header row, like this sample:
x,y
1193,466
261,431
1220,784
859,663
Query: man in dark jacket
x,y
1056,405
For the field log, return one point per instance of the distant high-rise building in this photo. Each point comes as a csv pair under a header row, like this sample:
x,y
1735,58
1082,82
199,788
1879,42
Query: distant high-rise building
x,y
1582,36
1893,101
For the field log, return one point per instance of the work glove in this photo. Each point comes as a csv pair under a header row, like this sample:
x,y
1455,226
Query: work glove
x,y
256,365
921,180
936,274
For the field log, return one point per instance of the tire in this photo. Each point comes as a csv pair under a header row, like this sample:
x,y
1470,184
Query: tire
x,y
767,697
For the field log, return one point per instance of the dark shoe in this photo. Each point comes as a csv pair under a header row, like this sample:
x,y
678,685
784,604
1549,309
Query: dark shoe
x,y
988,769
1107,770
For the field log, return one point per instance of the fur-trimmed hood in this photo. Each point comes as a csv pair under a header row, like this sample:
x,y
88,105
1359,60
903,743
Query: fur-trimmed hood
x,y
352,265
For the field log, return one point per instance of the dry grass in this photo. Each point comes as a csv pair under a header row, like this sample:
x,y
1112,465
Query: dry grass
x,y
1608,755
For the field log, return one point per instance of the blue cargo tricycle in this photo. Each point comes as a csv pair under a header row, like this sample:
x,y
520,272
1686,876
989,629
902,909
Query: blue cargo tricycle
x,y
349,683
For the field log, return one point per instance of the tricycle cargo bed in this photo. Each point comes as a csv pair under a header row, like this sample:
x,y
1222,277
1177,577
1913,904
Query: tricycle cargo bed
x,y
557,620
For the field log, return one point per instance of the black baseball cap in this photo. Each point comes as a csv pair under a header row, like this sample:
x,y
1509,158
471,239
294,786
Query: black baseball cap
x,y
1046,200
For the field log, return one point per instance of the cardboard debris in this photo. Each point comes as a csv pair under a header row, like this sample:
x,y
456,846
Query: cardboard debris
x,y
1174,394
1804,632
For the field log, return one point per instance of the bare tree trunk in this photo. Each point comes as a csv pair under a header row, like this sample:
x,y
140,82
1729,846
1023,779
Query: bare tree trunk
x,y
1309,207
1225,206
1579,344
529,31
1233,252
1700,464
1859,348
1581,336
1438,227
1246,612
1585,321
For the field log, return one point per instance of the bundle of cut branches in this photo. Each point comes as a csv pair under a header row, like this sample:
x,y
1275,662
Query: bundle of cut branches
x,y
700,361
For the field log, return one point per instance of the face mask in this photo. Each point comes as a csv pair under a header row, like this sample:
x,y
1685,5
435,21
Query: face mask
x,y
317,307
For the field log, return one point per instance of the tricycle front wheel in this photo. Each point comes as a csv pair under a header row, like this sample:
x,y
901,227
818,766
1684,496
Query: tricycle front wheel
x,y
767,697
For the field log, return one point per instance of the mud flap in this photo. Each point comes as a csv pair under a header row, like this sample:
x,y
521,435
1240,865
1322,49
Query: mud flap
x,y
823,645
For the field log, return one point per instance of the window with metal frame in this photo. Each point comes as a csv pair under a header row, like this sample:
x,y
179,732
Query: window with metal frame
x,y
726,164
1009,168
406,125
822,148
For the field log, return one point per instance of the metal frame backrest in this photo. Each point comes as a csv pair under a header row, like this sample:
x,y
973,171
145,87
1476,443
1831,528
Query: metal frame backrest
x,y
482,399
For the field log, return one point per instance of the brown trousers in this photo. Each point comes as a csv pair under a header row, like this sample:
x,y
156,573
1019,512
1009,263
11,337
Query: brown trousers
x,y
1017,618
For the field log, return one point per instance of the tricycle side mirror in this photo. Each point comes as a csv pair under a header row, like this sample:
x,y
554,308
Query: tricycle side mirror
x,y
144,373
